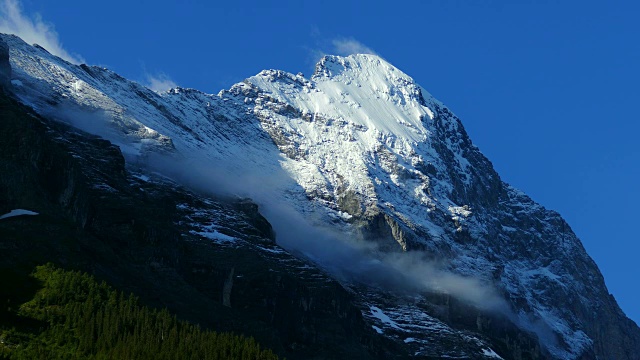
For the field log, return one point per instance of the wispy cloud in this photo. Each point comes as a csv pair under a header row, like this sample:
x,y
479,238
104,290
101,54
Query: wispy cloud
x,y
324,45
159,82
349,46
32,30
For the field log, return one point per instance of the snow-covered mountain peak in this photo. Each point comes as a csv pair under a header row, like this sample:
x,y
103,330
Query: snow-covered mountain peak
x,y
332,65
359,145
364,90
364,69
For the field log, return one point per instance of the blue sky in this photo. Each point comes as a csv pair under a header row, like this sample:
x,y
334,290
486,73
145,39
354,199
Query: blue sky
x,y
547,89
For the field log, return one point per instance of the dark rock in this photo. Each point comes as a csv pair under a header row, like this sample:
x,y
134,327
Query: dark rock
x,y
5,66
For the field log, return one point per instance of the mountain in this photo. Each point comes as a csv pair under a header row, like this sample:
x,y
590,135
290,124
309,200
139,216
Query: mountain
x,y
393,232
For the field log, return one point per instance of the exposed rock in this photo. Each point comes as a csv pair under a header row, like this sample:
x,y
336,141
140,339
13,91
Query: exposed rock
x,y
5,66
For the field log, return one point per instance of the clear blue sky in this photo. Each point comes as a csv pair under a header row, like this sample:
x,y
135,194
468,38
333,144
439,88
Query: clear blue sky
x,y
549,90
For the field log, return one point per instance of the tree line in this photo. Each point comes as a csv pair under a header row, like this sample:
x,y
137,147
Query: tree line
x,y
73,316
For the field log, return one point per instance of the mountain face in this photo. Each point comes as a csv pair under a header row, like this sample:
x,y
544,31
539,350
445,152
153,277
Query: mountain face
x,y
389,227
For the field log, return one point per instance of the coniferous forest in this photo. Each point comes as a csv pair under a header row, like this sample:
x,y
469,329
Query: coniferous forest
x,y
73,316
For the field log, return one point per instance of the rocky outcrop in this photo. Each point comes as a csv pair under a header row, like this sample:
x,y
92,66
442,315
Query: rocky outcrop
x,y
383,229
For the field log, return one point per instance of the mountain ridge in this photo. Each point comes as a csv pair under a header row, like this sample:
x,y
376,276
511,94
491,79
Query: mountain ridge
x,y
369,152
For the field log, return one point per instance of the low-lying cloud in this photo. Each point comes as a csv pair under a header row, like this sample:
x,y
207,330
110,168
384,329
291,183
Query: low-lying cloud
x,y
33,30
344,253
337,248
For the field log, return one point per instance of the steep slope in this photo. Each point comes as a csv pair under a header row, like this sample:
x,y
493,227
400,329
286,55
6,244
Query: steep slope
x,y
360,147
211,260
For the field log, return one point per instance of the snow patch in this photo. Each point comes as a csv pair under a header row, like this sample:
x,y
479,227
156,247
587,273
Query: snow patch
x,y
144,178
274,250
457,211
18,212
490,353
216,236
377,313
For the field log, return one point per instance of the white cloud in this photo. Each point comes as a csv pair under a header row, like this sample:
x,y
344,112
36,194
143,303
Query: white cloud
x,y
349,46
159,82
32,30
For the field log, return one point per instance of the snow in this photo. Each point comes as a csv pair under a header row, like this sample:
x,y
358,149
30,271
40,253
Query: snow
x,y
380,315
274,250
421,333
457,211
144,178
216,236
18,212
490,353
355,91
360,119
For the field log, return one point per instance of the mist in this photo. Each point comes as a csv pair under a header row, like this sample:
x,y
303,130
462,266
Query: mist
x,y
306,230
309,233
96,122
33,30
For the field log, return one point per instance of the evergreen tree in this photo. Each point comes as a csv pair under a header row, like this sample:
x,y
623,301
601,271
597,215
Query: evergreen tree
x,y
80,318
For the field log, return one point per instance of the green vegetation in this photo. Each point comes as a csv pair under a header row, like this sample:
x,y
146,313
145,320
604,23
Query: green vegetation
x,y
69,315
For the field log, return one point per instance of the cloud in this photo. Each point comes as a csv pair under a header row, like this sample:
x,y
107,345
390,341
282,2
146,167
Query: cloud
x,y
435,277
32,30
329,45
339,249
349,46
159,83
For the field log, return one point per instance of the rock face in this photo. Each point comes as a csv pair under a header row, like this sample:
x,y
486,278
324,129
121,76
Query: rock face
x,y
362,149
5,66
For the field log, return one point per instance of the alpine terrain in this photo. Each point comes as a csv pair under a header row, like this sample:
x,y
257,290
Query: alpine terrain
x,y
346,215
